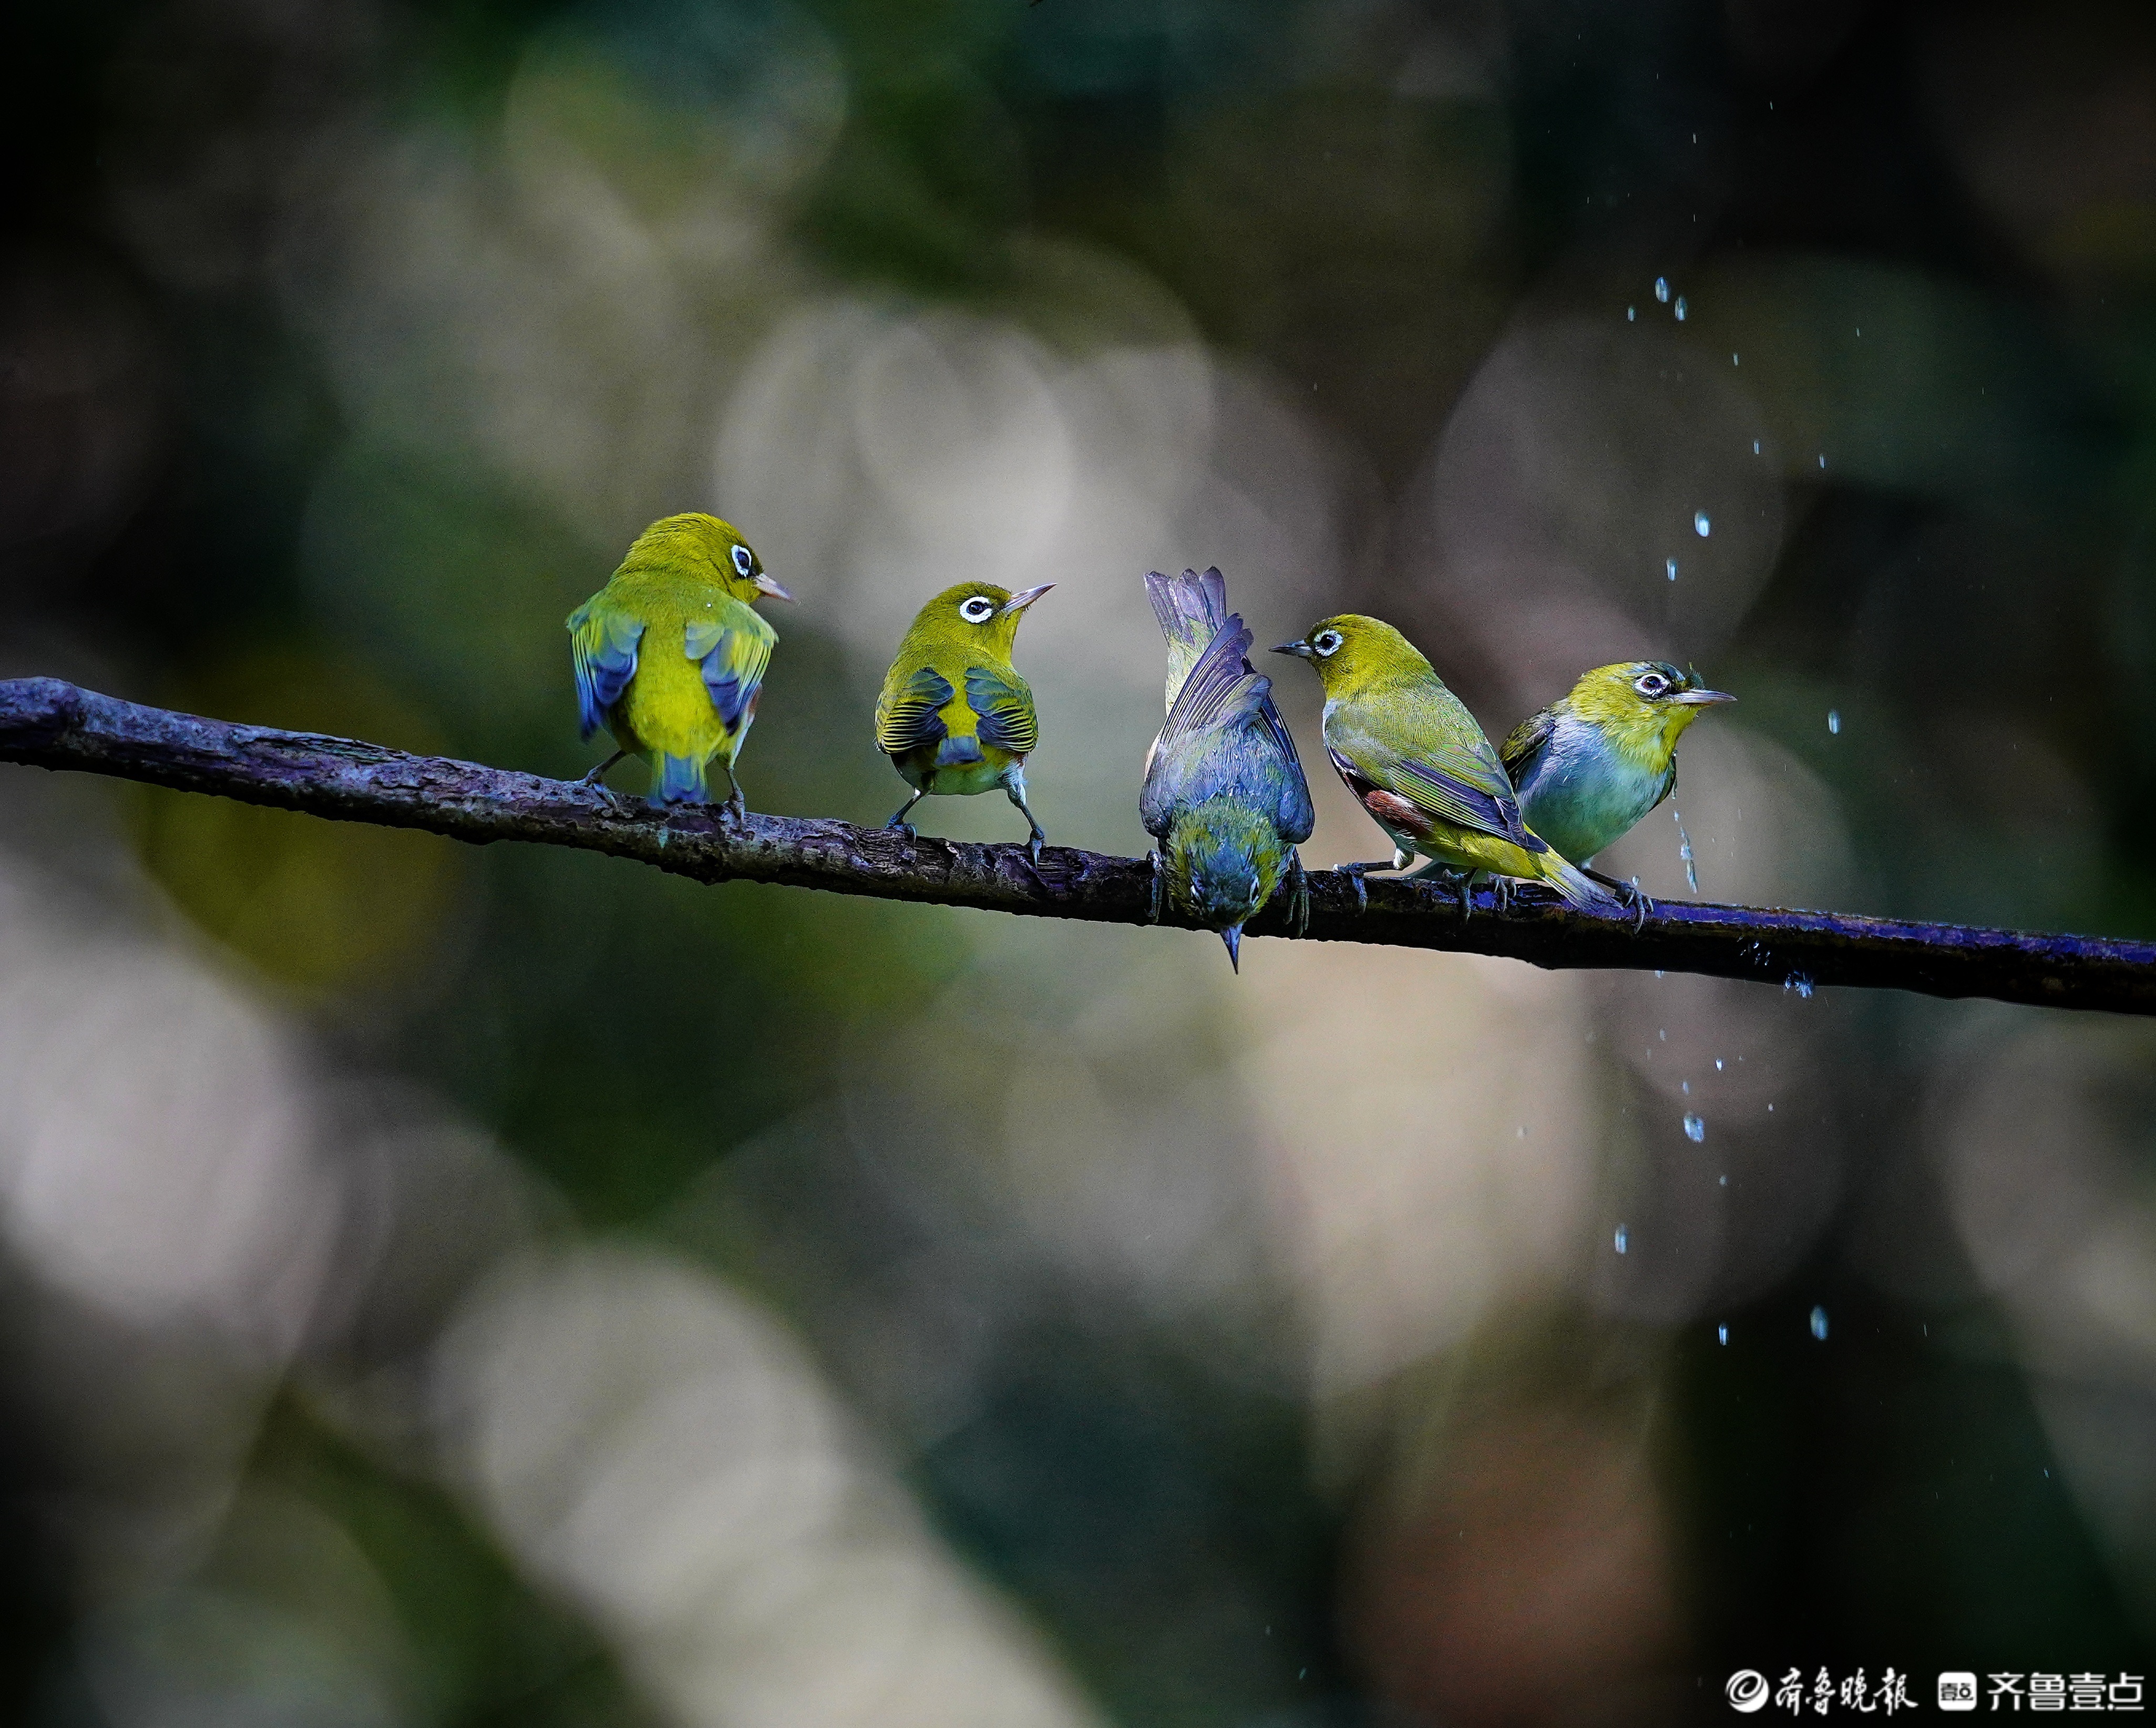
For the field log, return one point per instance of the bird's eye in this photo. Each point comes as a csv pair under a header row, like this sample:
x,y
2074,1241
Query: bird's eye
x,y
1327,642
978,609
1653,684
744,559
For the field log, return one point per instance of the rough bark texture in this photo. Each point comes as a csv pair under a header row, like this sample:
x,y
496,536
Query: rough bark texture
x,y
51,724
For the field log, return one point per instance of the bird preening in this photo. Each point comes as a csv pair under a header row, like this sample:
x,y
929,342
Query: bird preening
x,y
669,658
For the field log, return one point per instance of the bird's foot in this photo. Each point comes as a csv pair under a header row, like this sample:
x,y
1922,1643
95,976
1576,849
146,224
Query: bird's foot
x,y
1630,895
1298,895
734,807
895,826
1501,892
1035,841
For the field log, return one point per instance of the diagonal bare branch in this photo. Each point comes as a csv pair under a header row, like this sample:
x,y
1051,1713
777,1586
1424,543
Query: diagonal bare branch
x,y
47,723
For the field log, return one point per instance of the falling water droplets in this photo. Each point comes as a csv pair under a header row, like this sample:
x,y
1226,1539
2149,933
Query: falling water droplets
x,y
1834,721
1717,1065
1680,309
1755,446
1663,289
1722,1335
1700,525
1802,985
1631,315
1670,566
1695,1129
1619,1238
1819,1324
1684,851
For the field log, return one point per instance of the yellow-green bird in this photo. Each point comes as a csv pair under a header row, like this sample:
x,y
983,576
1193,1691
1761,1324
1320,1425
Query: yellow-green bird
x,y
954,716
1415,759
670,656
1589,766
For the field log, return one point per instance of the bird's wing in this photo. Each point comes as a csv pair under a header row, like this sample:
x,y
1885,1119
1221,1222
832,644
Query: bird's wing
x,y
602,645
1224,737
733,646
907,713
1448,779
1003,704
1524,744
1190,609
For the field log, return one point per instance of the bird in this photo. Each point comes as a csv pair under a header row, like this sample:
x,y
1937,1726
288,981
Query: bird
x,y
954,716
1415,759
670,656
1224,793
1592,764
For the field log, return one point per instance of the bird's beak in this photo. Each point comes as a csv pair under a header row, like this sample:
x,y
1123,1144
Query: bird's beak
x,y
1700,698
1233,936
1024,597
1299,650
764,584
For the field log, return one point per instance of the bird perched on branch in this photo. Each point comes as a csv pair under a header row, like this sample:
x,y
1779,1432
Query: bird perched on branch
x,y
1224,794
1592,764
954,716
1415,759
670,656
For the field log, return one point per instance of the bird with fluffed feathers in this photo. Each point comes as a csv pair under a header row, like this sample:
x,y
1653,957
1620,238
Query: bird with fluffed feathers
x,y
669,656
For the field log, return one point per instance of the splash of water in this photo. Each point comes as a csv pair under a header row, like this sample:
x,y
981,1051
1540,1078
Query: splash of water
x,y
1695,1129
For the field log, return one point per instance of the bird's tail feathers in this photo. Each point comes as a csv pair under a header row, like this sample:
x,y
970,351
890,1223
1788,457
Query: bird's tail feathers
x,y
1578,891
1190,609
677,780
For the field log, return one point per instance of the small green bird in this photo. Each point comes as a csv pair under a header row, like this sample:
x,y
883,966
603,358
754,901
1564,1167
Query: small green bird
x,y
1594,763
669,658
1224,794
954,716
1415,759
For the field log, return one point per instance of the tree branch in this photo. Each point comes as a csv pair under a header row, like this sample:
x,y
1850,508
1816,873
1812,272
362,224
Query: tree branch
x,y
51,724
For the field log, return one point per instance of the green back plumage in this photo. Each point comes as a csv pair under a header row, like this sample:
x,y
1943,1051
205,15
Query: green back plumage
x,y
669,656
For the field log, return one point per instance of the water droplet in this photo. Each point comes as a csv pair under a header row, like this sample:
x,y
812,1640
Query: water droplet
x,y
1631,315
1695,1129
1802,985
1686,1085
1734,361
1755,446
1725,1181
1658,971
1663,1033
1822,461
1770,1110
1662,290
1834,721
1722,1335
1700,524
1619,1238
1680,309
1818,1324
1717,1065
1684,851
1523,1130
1671,565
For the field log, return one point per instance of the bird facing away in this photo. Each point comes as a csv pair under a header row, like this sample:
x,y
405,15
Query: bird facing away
x,y
1224,794
1415,759
669,656
1589,766
954,716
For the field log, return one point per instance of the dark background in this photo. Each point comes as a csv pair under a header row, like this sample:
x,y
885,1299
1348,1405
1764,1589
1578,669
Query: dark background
x,y
450,1286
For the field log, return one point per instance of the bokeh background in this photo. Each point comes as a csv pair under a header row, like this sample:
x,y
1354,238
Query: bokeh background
x,y
449,1287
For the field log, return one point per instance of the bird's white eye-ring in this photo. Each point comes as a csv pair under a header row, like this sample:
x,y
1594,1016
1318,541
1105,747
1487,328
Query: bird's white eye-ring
x,y
744,559
979,609
1327,642
1650,684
